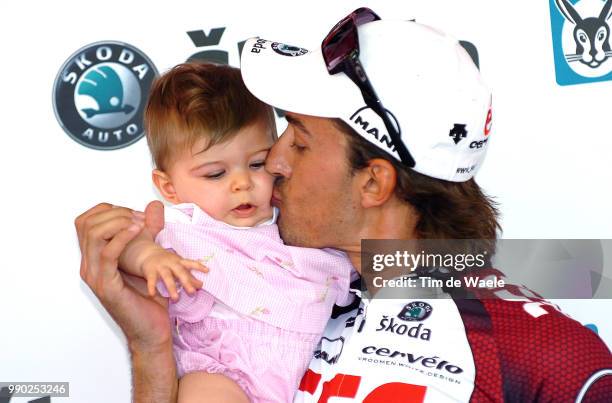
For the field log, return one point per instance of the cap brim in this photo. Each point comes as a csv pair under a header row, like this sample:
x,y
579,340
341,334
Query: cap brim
x,y
296,80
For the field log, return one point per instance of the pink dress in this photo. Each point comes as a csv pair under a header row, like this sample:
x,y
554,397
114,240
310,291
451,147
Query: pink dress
x,y
263,306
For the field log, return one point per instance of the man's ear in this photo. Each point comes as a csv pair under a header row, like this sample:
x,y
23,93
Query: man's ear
x,y
377,182
164,185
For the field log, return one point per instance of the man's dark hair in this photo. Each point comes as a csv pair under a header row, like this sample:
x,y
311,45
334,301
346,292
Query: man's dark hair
x,y
447,210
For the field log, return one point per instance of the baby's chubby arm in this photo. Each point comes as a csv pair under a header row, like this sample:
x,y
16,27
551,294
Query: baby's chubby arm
x,y
144,258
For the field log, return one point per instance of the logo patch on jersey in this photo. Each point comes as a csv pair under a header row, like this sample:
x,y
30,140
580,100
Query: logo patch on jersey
x,y
416,332
331,350
99,94
416,311
430,362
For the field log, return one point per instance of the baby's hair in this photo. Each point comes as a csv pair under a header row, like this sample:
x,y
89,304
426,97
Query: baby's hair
x,y
198,100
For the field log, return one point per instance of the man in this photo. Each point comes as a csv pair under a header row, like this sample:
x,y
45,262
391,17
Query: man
x,y
388,123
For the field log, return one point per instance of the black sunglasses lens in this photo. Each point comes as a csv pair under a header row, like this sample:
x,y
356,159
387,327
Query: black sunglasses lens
x,y
364,15
342,40
338,45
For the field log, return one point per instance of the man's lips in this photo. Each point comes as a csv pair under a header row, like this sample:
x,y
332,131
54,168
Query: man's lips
x,y
276,199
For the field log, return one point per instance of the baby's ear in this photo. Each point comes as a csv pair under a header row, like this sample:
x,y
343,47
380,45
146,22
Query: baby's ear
x,y
163,183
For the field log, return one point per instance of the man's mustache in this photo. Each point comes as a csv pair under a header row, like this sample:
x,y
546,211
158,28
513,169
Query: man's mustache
x,y
278,182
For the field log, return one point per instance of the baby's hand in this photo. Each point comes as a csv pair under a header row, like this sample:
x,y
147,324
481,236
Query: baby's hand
x,y
168,266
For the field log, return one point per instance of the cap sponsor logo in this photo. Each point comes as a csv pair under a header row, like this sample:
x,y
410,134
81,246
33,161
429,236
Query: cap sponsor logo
x,y
458,132
369,125
466,170
288,50
478,144
488,122
259,45
99,94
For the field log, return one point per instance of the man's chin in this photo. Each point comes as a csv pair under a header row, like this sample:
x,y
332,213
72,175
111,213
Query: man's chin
x,y
286,233
281,229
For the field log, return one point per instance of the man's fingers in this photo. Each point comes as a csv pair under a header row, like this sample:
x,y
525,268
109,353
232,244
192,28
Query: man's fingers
x,y
92,235
80,221
154,217
83,268
103,215
117,244
96,240
106,230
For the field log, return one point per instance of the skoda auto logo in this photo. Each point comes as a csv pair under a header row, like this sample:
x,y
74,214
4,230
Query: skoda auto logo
x,y
415,311
100,93
288,50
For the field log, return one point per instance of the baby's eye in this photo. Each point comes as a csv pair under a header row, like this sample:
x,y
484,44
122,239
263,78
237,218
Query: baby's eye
x,y
258,164
214,175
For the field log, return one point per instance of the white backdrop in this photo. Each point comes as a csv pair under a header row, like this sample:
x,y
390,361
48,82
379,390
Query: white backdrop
x,y
548,162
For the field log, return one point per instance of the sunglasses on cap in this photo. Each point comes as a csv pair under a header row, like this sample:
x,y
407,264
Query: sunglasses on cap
x,y
341,54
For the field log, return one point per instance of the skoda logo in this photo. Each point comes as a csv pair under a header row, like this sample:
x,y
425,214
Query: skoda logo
x,y
415,311
99,94
288,50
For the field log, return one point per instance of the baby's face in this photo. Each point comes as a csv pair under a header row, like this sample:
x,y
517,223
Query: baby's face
x,y
228,180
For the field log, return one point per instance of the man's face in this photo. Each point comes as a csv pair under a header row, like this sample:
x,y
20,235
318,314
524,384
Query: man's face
x,y
314,186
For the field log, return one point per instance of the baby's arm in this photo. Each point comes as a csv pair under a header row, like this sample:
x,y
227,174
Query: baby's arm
x,y
136,251
144,258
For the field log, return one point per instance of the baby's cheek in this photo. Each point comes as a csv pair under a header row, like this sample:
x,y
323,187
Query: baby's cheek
x,y
214,204
219,208
266,183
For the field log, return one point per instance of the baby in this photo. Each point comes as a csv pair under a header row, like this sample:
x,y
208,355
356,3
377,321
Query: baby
x,y
248,317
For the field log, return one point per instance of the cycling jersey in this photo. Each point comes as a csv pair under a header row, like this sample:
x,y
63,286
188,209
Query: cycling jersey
x,y
449,350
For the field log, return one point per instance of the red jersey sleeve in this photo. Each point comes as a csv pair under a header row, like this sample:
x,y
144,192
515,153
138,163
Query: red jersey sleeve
x,y
547,356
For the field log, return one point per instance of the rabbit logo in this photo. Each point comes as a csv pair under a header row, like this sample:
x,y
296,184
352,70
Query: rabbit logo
x,y
581,40
100,93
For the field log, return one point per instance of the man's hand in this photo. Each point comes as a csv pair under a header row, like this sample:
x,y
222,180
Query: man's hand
x,y
103,233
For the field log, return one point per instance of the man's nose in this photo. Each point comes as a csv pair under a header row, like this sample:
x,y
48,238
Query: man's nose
x,y
278,162
241,181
